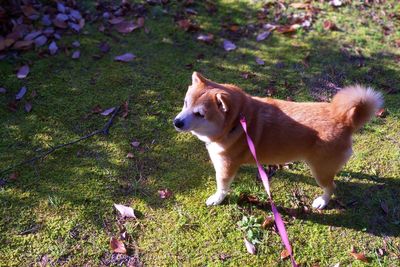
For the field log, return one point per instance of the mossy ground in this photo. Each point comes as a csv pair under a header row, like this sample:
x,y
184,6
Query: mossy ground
x,y
68,197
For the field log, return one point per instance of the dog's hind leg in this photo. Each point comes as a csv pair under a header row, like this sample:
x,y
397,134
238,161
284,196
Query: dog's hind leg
x,y
324,171
225,173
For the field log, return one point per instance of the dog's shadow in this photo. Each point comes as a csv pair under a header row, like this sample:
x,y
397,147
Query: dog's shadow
x,y
364,203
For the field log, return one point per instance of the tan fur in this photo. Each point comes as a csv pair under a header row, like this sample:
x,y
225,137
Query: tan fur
x,y
282,131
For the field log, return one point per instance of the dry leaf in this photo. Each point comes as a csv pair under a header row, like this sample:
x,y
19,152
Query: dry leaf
x,y
32,35
126,26
187,25
285,254
165,193
13,176
381,113
21,93
288,28
22,45
28,107
358,256
135,143
117,246
108,111
250,247
260,61
76,54
206,38
23,72
268,222
336,3
125,211
116,20
228,45
263,35
53,48
127,57
125,109
40,41
97,109
300,5
329,25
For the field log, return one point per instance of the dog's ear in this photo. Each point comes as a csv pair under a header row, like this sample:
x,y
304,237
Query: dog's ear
x,y
197,78
222,102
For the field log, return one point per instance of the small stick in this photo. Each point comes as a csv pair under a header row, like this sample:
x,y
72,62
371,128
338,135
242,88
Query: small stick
x,y
104,130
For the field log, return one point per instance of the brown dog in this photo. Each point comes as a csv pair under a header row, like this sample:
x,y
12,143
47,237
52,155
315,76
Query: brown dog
x,y
282,131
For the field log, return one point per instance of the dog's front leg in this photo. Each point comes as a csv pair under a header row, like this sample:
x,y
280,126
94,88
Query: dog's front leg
x,y
225,172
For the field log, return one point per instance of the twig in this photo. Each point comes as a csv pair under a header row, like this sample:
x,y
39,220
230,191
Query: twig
x,y
104,130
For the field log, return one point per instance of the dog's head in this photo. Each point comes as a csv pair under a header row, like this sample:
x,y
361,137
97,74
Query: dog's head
x,y
205,109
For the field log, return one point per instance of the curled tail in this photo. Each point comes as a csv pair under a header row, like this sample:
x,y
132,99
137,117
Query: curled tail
x,y
356,105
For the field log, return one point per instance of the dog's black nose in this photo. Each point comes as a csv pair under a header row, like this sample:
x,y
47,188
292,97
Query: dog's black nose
x,y
178,123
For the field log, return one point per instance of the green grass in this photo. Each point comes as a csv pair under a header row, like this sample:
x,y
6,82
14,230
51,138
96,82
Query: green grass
x,y
62,206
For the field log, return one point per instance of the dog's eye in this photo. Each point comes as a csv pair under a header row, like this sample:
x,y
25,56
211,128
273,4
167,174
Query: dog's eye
x,y
198,114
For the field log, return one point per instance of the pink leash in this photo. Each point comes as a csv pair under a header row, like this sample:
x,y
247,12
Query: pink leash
x,y
278,219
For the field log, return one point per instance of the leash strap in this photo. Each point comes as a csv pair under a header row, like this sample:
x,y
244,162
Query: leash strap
x,y
278,219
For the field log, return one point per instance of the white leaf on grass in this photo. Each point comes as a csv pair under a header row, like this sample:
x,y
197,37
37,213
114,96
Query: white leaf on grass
x,y
250,247
108,111
127,57
125,211
228,45
23,72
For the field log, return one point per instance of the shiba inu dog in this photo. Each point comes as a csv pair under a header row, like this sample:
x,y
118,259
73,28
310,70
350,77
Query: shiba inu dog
x,y
282,131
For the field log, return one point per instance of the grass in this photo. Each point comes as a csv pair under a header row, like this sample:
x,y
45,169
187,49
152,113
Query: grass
x,y
62,206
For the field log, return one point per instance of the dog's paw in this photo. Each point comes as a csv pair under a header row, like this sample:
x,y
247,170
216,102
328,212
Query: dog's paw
x,y
320,203
215,199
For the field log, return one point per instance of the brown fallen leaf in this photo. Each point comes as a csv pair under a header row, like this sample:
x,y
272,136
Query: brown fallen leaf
x,y
126,26
358,256
284,254
300,5
117,246
22,45
288,28
125,109
329,25
268,222
187,25
13,176
97,109
165,193
381,113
